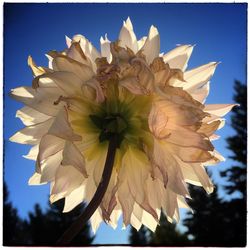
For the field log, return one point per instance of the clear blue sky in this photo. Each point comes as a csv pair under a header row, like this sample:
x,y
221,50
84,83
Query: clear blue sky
x,y
218,30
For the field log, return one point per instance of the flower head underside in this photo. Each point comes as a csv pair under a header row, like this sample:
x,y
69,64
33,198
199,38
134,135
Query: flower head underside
x,y
149,101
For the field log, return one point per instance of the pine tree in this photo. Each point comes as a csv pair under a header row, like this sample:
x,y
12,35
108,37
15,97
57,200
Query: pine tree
x,y
46,228
14,233
139,238
167,234
236,175
207,223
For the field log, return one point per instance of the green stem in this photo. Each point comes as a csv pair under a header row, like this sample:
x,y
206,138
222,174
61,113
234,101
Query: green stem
x,y
75,228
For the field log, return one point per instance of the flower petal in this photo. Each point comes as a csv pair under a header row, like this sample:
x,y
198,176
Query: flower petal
x,y
61,128
127,36
74,198
197,77
50,166
72,156
141,42
67,179
179,57
105,48
63,63
40,99
151,48
31,116
219,109
32,134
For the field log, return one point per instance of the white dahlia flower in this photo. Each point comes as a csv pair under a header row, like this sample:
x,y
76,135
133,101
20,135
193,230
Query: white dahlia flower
x,y
154,107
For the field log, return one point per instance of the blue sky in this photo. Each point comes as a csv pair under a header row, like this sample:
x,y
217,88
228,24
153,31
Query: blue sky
x,y
218,30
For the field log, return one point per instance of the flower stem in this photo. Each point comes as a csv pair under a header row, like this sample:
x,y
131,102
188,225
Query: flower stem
x,y
75,228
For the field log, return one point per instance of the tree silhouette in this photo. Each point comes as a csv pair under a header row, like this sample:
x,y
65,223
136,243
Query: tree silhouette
x,y
167,234
207,223
236,175
14,233
46,228
140,237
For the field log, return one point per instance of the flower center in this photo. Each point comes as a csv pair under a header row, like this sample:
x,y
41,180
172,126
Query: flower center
x,y
110,125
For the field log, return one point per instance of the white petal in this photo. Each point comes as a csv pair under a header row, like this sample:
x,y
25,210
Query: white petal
x,y
105,48
32,155
93,83
141,42
219,109
68,41
74,198
127,202
72,156
31,116
75,52
50,166
164,159
197,77
67,179
62,63
136,177
127,36
61,127
96,220
115,215
203,177
135,222
151,48
88,49
32,134
35,179
149,221
178,57
40,99
66,81
201,93
49,145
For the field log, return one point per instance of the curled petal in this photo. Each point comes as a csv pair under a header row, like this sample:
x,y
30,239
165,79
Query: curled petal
x,y
63,63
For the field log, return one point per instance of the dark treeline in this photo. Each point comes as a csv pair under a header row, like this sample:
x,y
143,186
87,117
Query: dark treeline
x,y
41,228
214,221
